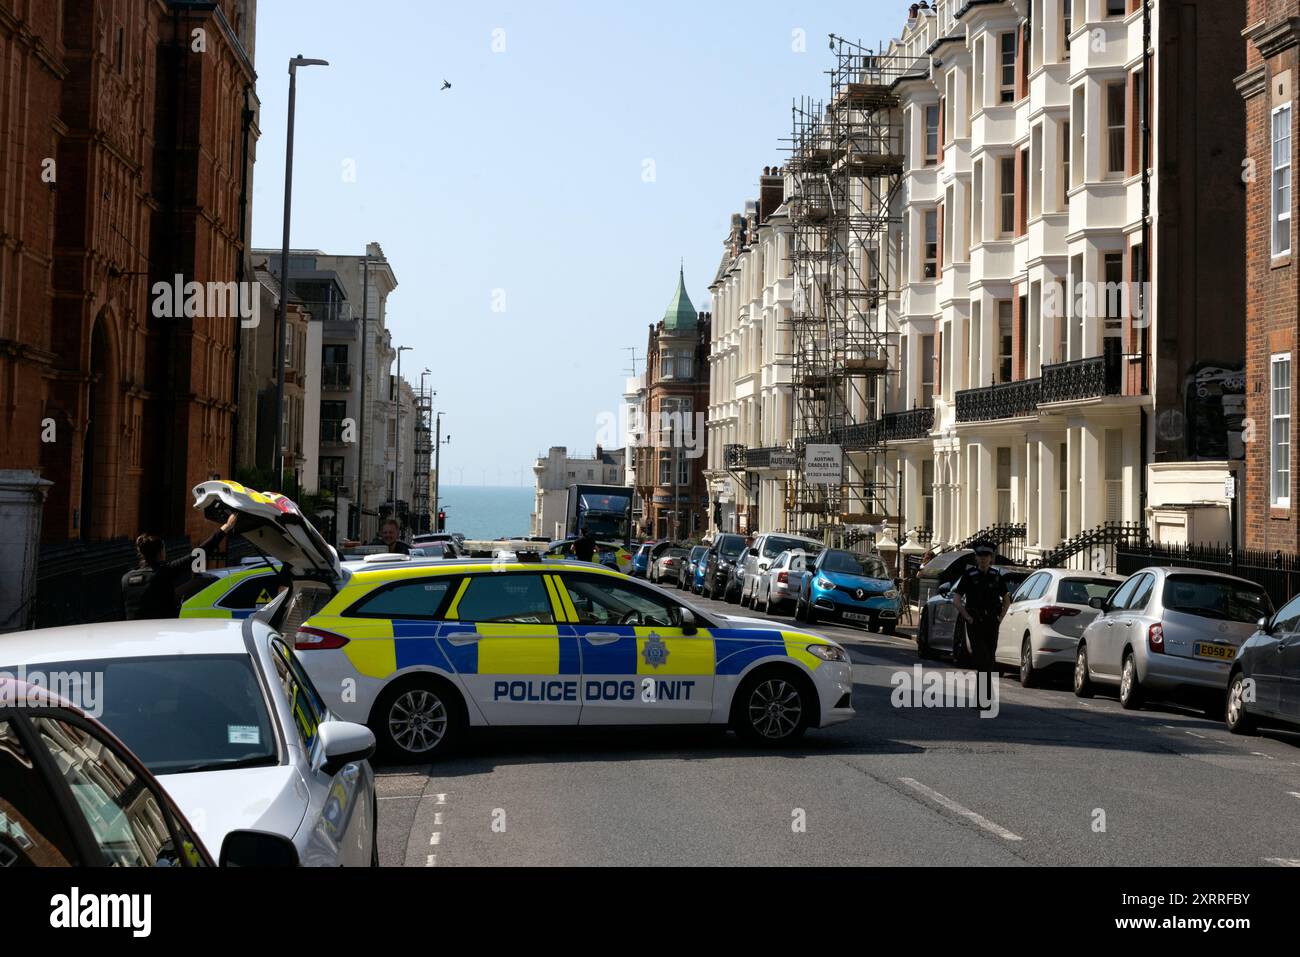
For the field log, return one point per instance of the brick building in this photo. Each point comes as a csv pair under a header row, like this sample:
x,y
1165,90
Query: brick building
x,y
126,135
672,457
1272,34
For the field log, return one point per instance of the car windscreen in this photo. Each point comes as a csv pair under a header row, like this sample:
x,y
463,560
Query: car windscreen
x,y
731,545
1079,591
846,563
773,546
697,551
1222,599
183,712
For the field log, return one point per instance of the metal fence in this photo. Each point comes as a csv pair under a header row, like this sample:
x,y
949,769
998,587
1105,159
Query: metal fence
x,y
1278,573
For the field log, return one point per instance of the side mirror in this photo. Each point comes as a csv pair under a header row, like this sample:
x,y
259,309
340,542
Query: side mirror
x,y
257,849
945,588
1097,602
689,627
342,742
1265,626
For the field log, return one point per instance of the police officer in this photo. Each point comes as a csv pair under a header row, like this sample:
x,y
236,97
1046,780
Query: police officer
x,y
981,599
149,589
584,549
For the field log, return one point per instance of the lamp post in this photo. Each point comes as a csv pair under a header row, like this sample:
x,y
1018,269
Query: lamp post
x,y
437,460
278,457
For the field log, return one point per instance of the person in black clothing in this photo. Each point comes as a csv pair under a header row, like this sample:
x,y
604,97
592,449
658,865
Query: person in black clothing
x,y
390,534
584,549
149,589
981,599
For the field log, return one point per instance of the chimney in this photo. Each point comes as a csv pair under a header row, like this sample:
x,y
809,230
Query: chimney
x,y
771,192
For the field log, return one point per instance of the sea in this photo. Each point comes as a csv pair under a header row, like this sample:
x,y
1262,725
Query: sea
x,y
486,512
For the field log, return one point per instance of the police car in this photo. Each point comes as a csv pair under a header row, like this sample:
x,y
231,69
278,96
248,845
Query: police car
x,y
234,592
421,651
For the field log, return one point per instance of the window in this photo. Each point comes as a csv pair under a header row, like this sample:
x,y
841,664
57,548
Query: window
x,y
683,469
931,135
1115,129
1116,8
1004,484
1137,136
1114,475
1007,195
977,203
1280,435
1022,190
413,599
927,493
1141,594
1282,180
1036,172
32,830
1113,295
1078,124
1063,487
331,472
977,102
508,598
304,702
927,371
930,251
124,815
1121,597
1004,340
332,413
602,600
1065,164
1067,27
1007,68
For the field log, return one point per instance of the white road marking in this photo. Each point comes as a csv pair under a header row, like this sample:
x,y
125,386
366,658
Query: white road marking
x,y
1294,794
437,817
431,860
1283,861
1195,735
435,838
1261,754
956,808
401,797
442,799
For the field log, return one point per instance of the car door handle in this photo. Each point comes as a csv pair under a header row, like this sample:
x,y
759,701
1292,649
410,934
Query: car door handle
x,y
462,637
602,637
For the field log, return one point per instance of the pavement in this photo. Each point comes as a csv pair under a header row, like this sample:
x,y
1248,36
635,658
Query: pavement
x,y
1052,779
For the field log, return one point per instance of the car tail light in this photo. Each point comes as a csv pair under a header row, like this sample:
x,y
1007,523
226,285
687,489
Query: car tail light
x,y
1048,614
783,577
315,639
1156,638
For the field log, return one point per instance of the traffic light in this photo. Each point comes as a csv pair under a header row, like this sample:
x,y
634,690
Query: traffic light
x,y
442,521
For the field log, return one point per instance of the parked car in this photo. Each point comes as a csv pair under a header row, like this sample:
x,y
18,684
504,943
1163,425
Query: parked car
x,y
781,584
1270,658
645,554
1048,613
701,567
435,550
664,566
1169,632
845,586
223,714
721,559
686,570
758,558
940,628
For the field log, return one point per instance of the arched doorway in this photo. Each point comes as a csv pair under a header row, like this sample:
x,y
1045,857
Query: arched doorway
x,y
100,448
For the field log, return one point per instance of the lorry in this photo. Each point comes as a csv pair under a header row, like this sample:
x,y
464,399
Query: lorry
x,y
603,510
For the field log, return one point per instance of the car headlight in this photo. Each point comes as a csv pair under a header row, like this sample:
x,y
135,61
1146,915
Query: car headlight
x,y
828,652
891,594
824,583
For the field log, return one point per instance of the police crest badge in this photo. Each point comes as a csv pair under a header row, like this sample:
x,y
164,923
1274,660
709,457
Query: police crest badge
x,y
655,651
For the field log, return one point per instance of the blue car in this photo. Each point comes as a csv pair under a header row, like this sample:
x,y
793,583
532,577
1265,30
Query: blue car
x,y
846,587
641,561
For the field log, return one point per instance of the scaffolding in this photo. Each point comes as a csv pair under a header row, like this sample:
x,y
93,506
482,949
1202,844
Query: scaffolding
x,y
421,518
843,186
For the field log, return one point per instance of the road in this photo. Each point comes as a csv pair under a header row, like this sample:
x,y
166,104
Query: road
x,y
1051,779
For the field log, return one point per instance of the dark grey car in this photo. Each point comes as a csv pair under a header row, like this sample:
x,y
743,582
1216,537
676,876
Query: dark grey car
x,y
1264,686
939,625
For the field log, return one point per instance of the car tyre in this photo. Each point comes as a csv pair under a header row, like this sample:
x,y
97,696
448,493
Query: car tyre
x,y
1238,719
772,707
1130,687
923,649
1029,677
401,736
1083,686
889,627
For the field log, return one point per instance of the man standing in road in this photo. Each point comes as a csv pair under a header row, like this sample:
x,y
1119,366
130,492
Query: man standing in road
x,y
149,589
981,599
584,549
390,533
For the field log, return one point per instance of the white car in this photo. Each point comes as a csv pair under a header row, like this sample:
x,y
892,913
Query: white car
x,y
780,585
765,550
226,718
1048,613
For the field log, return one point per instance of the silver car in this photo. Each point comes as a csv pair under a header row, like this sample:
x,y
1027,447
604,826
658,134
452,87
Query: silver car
x,y
1048,613
1169,631
781,584
759,558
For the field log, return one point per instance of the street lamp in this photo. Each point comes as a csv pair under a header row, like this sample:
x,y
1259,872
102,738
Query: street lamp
x,y
278,459
397,462
437,460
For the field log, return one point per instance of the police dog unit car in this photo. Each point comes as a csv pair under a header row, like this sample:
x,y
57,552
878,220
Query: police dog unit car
x,y
421,651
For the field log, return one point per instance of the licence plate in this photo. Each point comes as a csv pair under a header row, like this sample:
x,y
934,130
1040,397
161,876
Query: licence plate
x,y
1219,652
856,616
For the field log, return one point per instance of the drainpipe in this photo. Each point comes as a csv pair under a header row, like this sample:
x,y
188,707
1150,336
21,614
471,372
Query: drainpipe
x,y
240,274
1149,80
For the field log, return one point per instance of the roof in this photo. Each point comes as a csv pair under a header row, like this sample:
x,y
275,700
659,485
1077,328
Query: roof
x,y
123,639
680,313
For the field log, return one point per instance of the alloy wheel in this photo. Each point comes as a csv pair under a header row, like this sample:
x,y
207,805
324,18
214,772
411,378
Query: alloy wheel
x,y
775,708
417,721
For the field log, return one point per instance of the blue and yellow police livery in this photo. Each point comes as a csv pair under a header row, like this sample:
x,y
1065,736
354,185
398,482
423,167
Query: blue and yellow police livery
x,y
420,652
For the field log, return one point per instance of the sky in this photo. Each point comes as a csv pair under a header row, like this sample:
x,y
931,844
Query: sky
x,y
536,213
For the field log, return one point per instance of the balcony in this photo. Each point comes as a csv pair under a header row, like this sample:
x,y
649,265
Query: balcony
x,y
913,424
733,457
1007,400
336,377
331,431
1082,378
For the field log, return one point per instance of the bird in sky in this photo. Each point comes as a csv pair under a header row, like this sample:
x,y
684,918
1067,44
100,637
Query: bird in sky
x,y
446,85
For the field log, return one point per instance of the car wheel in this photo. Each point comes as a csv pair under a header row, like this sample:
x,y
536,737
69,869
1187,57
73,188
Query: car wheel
x,y
1083,687
873,625
1130,688
810,613
1028,674
418,720
889,627
374,834
1239,720
923,649
744,599
772,707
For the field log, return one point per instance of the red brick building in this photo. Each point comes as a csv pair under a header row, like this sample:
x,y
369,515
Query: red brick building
x,y
126,134
1272,33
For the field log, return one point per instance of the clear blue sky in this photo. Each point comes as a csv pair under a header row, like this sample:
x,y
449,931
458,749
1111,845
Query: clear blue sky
x,y
527,177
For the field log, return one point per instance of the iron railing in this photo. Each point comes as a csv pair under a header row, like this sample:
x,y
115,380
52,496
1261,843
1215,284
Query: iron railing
x,y
1278,573
1095,549
1006,400
336,376
1082,378
913,424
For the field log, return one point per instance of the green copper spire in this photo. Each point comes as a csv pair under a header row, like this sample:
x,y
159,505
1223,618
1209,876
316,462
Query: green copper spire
x,y
680,314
